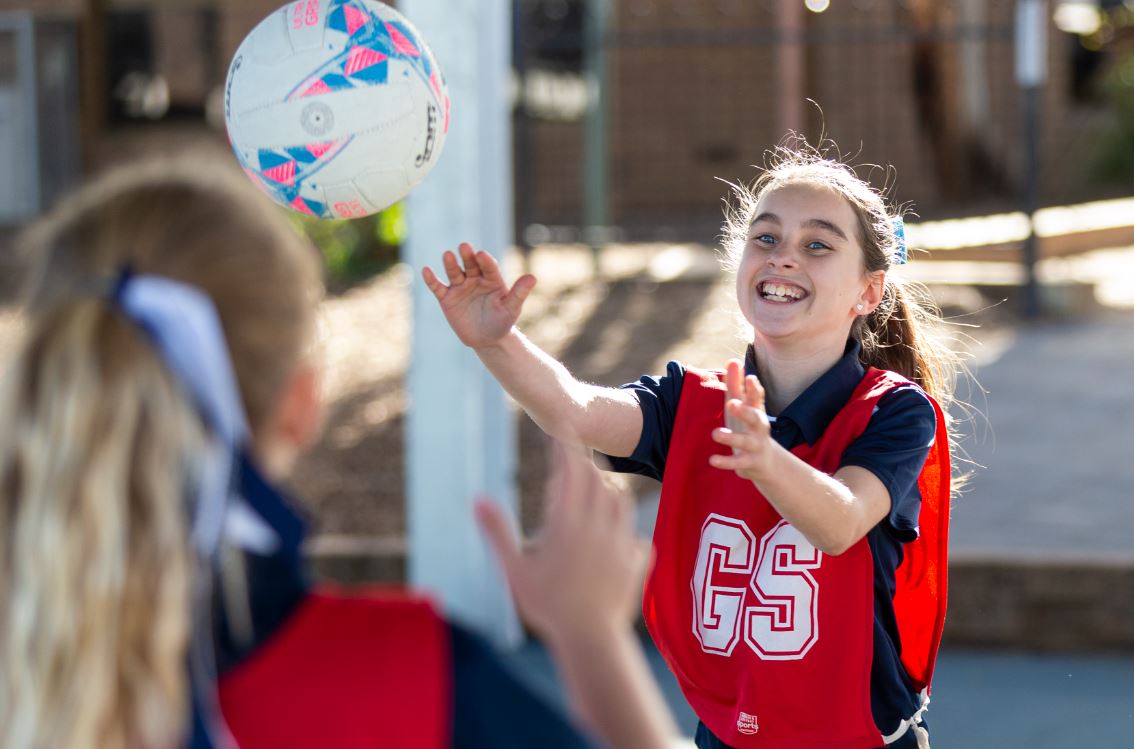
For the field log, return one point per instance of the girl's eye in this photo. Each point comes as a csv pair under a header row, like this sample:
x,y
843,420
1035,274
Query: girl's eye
x,y
817,246
764,238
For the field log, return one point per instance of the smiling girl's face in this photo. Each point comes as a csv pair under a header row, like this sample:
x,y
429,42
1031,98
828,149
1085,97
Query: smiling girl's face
x,y
801,274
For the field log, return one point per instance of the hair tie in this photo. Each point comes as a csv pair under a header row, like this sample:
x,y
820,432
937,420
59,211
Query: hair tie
x,y
901,253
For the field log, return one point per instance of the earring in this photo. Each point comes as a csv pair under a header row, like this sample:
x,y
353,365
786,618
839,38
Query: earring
x,y
859,306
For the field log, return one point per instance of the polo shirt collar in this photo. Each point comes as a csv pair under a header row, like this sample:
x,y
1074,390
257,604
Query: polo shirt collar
x,y
816,406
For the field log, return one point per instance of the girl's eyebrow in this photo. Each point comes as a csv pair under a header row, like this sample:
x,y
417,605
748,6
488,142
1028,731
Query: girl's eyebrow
x,y
822,223
811,223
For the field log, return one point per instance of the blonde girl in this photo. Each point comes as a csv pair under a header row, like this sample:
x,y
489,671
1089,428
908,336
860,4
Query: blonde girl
x,y
152,589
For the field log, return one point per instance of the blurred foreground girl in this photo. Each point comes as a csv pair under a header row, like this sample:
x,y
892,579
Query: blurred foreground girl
x,y
152,592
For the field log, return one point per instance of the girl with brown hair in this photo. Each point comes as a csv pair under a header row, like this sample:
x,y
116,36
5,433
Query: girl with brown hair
x,y
799,590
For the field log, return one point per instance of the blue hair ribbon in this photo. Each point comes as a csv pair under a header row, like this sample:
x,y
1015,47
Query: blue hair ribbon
x,y
901,252
183,325
230,500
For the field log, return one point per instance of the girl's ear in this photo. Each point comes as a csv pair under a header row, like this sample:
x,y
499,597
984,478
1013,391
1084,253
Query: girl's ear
x,y
296,423
872,294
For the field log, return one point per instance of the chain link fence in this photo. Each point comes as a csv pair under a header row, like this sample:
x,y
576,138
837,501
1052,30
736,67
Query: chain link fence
x,y
696,91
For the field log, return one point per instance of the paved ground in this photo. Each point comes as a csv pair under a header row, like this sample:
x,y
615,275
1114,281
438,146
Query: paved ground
x,y
1055,475
982,699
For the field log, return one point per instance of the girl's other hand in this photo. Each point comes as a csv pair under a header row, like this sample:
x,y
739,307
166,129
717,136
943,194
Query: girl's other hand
x,y
747,429
477,302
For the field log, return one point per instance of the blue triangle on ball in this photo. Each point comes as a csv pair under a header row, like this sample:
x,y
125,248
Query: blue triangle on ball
x,y
336,81
269,159
302,155
379,73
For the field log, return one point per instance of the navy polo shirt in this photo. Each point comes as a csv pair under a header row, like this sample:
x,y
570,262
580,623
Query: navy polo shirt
x,y
893,447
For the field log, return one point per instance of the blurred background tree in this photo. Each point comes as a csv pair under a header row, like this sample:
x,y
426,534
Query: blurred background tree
x,y
356,249
1103,54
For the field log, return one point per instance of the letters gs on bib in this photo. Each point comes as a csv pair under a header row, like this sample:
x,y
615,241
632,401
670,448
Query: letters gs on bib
x,y
336,108
781,620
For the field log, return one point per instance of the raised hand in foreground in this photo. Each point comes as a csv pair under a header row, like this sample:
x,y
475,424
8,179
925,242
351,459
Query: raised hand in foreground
x,y
579,586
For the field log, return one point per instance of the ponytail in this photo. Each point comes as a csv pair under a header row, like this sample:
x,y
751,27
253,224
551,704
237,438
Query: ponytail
x,y
95,563
904,334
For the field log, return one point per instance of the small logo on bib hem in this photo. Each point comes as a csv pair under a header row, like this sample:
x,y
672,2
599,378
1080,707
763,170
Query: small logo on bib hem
x,y
747,724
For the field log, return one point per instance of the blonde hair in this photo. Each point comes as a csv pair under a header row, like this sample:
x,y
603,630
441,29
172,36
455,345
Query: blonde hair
x,y
905,333
99,445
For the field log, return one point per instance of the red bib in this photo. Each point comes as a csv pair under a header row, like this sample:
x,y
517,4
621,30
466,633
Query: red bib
x,y
346,672
770,639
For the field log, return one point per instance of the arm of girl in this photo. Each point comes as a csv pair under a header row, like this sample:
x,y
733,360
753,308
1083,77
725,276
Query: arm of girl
x,y
579,588
483,310
832,512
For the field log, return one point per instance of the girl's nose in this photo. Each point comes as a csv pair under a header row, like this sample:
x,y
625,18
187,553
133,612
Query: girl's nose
x,y
782,256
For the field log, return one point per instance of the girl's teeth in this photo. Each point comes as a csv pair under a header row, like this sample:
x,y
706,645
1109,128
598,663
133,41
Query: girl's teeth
x,y
780,292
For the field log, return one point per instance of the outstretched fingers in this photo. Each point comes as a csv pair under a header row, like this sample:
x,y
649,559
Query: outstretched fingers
x,y
519,293
734,391
754,392
490,269
734,379
469,258
501,536
568,496
452,268
752,417
433,283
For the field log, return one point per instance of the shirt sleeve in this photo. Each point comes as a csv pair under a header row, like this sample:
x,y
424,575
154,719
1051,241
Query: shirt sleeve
x,y
894,448
493,707
657,397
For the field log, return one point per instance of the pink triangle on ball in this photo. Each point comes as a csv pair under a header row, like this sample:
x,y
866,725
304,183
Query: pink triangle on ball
x,y
355,18
300,205
318,149
283,174
360,58
401,42
316,88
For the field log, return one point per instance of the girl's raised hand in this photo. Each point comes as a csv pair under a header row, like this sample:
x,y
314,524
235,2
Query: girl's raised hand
x,y
747,429
477,302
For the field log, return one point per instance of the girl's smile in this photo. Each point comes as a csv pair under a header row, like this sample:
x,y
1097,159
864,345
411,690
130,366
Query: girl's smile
x,y
801,275
780,291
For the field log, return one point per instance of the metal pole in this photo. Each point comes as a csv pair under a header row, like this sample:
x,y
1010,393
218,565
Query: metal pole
x,y
596,194
790,63
1031,199
460,436
1031,73
521,134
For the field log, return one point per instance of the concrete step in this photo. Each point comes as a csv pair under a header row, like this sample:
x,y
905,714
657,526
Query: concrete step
x,y
1029,602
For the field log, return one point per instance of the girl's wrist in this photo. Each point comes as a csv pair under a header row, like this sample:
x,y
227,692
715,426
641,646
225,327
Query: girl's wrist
x,y
586,638
760,475
499,345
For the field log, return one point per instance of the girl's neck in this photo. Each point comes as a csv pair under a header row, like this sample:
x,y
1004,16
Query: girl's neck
x,y
786,371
